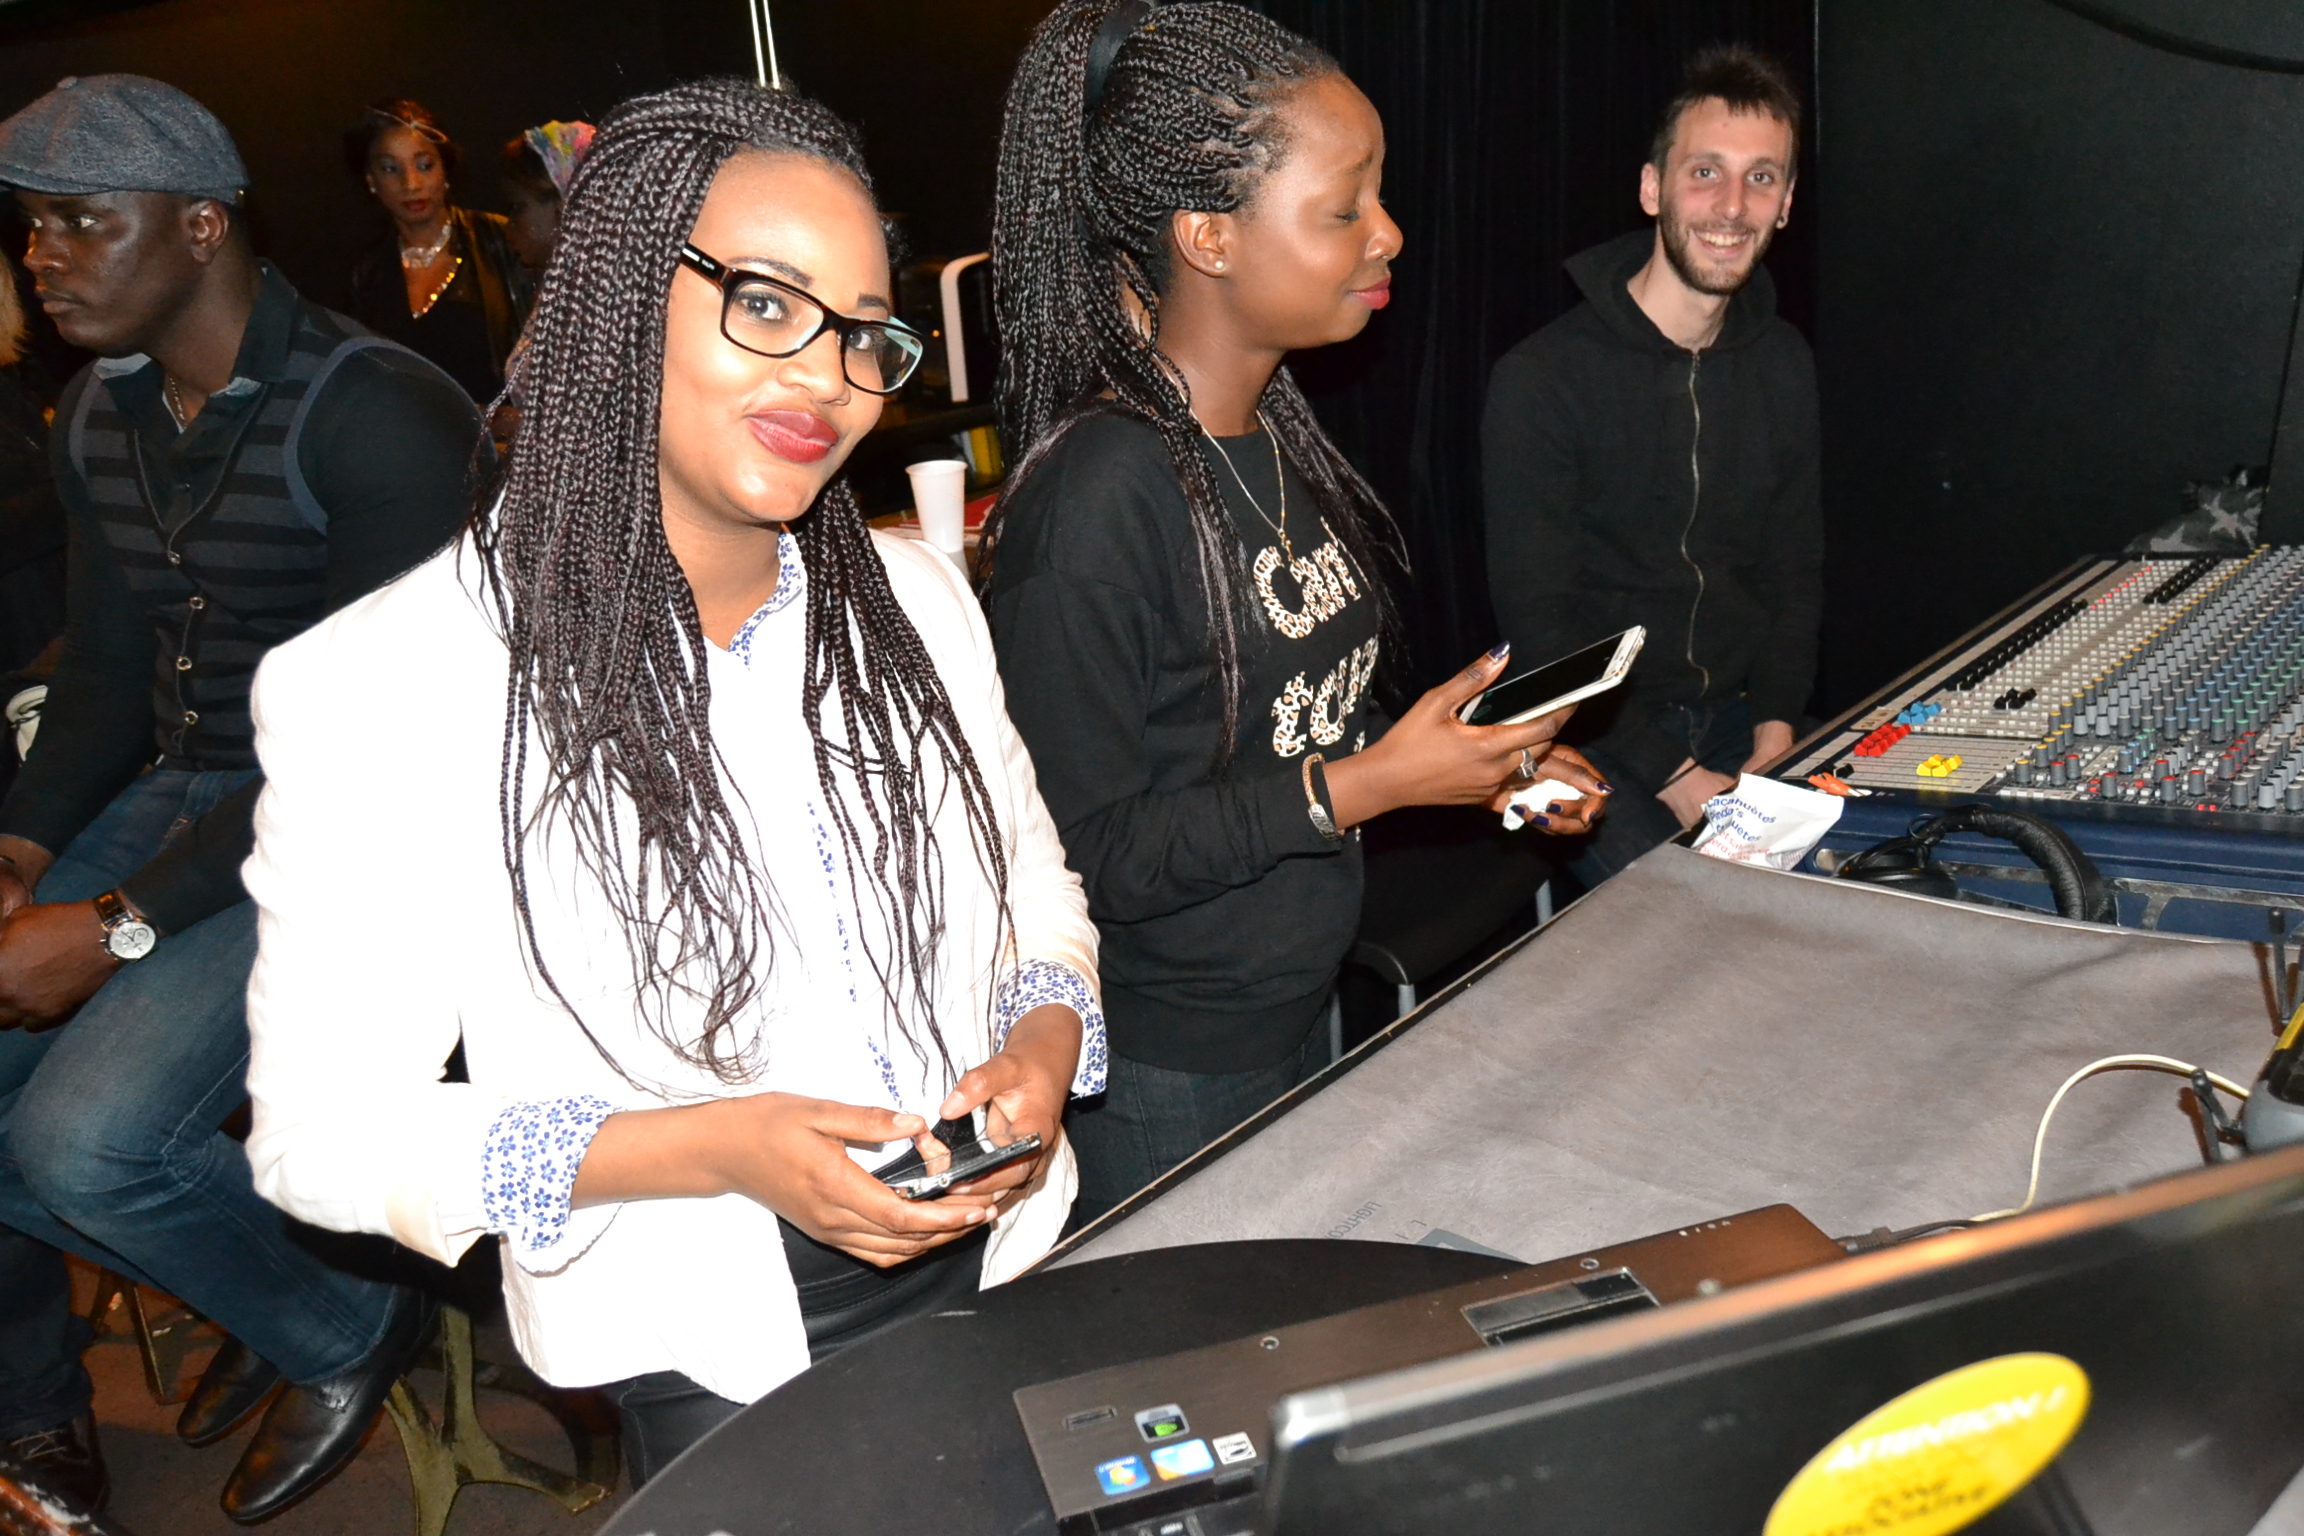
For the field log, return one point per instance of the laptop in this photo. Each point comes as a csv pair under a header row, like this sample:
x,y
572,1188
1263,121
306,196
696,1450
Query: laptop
x,y
1182,1445
2128,1365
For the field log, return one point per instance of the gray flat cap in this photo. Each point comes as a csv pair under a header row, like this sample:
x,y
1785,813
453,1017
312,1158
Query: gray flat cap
x,y
119,133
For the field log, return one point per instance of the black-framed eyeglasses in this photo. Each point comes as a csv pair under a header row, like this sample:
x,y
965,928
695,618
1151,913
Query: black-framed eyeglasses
x,y
775,319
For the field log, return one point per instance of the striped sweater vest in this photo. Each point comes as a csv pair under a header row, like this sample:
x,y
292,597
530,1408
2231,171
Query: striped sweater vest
x,y
246,570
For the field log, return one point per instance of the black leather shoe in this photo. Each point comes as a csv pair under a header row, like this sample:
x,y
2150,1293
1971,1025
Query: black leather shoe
x,y
314,1427
230,1389
66,1463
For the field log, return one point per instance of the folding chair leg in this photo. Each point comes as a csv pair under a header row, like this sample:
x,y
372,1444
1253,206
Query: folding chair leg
x,y
445,1457
1336,1027
162,1339
1407,998
1543,903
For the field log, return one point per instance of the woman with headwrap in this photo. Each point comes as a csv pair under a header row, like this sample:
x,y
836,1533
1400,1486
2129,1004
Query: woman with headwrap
x,y
537,167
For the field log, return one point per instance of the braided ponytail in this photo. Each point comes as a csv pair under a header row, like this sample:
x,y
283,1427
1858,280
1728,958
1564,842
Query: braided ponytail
x,y
608,663
1187,117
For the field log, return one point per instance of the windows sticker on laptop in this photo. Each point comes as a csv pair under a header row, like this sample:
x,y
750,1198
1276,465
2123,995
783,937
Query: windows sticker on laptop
x,y
1124,1474
1186,1460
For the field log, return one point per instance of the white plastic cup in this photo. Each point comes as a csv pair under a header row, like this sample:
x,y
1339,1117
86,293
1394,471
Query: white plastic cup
x,y
940,494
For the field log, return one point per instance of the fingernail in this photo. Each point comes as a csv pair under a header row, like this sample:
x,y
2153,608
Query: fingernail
x,y
1554,807
1500,650
1542,821
1607,788
980,1213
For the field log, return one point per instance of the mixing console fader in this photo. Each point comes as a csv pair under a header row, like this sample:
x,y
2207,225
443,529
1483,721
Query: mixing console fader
x,y
2175,684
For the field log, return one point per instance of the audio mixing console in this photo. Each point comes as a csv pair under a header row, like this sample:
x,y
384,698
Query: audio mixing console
x,y
2154,707
2174,683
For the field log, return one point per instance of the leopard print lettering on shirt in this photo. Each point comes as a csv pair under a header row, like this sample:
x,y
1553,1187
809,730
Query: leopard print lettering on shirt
x,y
1306,712
1330,705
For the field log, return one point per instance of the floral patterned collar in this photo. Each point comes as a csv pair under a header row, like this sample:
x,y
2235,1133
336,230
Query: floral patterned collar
x,y
791,577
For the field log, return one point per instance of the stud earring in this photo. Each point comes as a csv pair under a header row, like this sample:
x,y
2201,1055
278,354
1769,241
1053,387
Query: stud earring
x,y
1219,264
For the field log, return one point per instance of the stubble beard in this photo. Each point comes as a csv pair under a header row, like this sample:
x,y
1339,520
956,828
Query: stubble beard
x,y
1680,250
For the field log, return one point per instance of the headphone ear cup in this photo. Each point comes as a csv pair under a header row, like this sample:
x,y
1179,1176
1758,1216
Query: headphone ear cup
x,y
2081,890
1902,864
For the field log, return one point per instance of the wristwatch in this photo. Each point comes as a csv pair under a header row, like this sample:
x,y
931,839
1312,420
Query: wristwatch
x,y
126,936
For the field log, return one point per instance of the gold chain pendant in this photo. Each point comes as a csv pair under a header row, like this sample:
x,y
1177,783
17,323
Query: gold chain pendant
x,y
425,308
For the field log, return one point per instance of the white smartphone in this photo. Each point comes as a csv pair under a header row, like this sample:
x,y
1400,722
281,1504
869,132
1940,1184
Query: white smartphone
x,y
1558,684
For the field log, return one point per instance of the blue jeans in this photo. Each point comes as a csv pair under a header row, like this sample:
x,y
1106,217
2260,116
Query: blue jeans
x,y
1150,1119
110,1147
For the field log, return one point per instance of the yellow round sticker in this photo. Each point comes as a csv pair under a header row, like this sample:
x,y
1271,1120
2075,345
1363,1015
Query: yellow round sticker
x,y
1945,1454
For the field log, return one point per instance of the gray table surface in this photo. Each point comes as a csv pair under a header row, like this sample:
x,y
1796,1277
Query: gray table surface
x,y
1698,1038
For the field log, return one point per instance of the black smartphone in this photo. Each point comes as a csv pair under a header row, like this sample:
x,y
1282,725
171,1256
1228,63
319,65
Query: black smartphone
x,y
1557,684
973,1156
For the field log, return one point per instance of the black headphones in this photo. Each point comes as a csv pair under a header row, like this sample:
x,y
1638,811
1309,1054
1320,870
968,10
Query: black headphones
x,y
1908,863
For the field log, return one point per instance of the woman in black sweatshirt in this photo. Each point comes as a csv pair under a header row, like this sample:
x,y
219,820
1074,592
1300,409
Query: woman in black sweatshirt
x,y
1183,573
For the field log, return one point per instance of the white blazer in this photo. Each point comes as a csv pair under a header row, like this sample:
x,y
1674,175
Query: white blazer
x,y
387,934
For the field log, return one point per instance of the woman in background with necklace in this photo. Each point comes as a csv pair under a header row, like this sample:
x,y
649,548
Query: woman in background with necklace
x,y
1185,577
444,280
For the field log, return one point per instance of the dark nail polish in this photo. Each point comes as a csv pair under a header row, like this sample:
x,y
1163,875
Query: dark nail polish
x,y
1499,650
1541,821
1554,808
1607,788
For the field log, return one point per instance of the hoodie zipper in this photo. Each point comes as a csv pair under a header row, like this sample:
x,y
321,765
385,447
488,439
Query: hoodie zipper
x,y
1695,502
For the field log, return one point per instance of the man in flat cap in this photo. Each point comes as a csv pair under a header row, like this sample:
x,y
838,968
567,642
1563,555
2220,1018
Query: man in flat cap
x,y
238,463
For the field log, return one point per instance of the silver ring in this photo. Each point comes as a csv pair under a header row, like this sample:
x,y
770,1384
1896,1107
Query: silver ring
x,y
1527,766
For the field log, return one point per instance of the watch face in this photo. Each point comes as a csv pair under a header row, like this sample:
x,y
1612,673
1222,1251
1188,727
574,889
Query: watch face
x,y
131,940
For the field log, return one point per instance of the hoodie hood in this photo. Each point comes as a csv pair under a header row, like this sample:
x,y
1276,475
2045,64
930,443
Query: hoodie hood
x,y
1603,271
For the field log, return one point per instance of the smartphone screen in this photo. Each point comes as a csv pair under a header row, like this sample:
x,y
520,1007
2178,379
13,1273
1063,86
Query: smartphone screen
x,y
972,1158
1518,695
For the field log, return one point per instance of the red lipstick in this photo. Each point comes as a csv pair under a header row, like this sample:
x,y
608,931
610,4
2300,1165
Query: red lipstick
x,y
800,436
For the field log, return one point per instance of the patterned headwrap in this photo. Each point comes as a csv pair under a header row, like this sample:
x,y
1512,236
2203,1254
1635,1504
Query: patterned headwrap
x,y
560,146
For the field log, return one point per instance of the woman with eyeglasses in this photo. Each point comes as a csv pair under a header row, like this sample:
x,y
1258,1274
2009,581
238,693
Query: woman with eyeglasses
x,y
721,858
1187,581
442,280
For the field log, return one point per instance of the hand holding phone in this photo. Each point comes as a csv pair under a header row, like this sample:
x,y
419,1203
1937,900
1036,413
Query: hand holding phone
x,y
972,1156
1557,684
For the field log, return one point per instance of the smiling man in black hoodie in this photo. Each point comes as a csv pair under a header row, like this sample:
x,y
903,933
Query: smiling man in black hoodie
x,y
1650,458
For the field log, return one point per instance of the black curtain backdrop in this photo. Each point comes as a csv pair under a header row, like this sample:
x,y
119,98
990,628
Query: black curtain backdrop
x,y
1515,132
923,78
288,76
2059,275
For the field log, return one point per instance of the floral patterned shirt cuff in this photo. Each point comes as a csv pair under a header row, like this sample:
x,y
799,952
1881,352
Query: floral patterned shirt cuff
x,y
1036,983
528,1164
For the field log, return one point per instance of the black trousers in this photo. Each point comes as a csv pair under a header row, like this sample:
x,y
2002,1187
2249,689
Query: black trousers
x,y
843,1301
1149,1119
1719,736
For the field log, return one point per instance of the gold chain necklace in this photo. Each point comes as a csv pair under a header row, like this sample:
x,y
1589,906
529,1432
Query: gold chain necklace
x,y
174,401
421,310
1279,473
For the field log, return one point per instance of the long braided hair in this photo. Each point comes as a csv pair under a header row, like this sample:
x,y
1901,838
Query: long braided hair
x,y
1186,115
608,664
